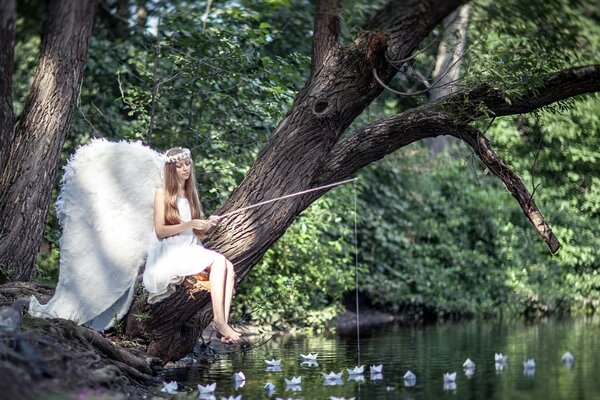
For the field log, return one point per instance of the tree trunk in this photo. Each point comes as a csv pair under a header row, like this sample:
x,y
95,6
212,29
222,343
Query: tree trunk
x,y
7,46
26,182
341,86
447,67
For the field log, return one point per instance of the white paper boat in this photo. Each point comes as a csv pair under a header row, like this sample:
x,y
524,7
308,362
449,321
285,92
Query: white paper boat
x,y
273,363
469,364
358,370
568,358
309,356
409,376
239,376
269,387
239,397
529,364
296,380
376,369
207,388
500,358
332,376
449,377
169,387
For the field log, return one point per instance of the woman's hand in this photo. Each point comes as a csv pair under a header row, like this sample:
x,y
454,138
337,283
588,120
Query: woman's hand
x,y
214,219
201,225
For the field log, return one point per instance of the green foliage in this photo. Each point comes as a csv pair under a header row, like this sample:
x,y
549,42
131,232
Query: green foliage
x,y
302,278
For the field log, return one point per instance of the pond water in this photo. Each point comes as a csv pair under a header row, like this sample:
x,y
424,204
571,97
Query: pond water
x,y
427,351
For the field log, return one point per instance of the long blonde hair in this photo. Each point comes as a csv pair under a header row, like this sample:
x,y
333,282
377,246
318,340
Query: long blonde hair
x,y
171,188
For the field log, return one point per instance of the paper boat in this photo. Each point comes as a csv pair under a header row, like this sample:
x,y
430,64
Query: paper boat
x,y
207,388
450,377
169,387
568,358
309,356
269,387
296,380
239,376
409,376
332,376
358,370
273,363
376,369
500,358
469,364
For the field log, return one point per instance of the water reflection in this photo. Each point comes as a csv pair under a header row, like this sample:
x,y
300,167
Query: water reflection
x,y
428,352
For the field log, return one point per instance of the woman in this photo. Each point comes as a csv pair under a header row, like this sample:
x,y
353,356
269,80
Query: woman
x,y
176,250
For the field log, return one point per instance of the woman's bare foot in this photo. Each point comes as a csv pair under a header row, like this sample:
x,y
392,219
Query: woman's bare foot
x,y
224,331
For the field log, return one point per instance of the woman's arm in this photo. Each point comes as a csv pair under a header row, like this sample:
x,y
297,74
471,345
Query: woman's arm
x,y
163,230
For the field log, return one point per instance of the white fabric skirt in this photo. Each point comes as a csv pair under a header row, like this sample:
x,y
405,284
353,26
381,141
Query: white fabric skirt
x,y
170,260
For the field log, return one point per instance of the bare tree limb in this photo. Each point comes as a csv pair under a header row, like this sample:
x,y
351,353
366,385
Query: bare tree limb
x,y
513,183
327,32
8,15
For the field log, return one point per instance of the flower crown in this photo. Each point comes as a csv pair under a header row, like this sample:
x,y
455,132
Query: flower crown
x,y
184,155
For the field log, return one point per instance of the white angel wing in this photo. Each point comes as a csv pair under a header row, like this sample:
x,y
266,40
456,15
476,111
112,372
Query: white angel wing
x,y
105,210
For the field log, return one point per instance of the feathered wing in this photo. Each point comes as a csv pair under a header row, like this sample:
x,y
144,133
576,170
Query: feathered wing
x,y
105,209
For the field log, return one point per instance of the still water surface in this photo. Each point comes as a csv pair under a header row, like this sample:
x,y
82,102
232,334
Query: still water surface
x,y
428,351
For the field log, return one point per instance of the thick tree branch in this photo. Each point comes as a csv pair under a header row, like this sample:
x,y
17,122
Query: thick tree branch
x,y
327,32
392,19
8,15
382,137
513,183
559,86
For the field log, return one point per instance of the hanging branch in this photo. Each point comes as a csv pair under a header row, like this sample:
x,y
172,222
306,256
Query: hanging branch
x,y
513,183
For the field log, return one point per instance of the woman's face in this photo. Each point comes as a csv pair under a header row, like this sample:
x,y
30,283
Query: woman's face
x,y
184,169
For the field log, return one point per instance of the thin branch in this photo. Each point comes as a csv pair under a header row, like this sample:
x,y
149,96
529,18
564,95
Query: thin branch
x,y
513,183
327,31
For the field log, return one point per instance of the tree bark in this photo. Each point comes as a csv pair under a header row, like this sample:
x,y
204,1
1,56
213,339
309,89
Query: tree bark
x,y
8,16
26,183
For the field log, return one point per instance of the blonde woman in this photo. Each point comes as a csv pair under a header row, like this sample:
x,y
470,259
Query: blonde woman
x,y
176,249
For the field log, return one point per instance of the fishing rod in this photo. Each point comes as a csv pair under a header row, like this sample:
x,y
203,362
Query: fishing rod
x,y
287,196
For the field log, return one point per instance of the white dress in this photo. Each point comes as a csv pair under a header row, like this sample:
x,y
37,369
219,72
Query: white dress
x,y
173,258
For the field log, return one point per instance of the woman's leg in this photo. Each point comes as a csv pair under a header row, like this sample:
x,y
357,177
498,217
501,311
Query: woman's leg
x,y
229,282
217,277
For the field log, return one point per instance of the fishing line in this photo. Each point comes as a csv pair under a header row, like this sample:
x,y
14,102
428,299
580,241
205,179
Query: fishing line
x,y
356,275
262,203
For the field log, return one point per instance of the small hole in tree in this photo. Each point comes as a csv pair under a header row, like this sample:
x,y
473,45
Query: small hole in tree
x,y
320,106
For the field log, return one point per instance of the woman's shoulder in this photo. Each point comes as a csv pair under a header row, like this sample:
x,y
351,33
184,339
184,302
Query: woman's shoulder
x,y
160,192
